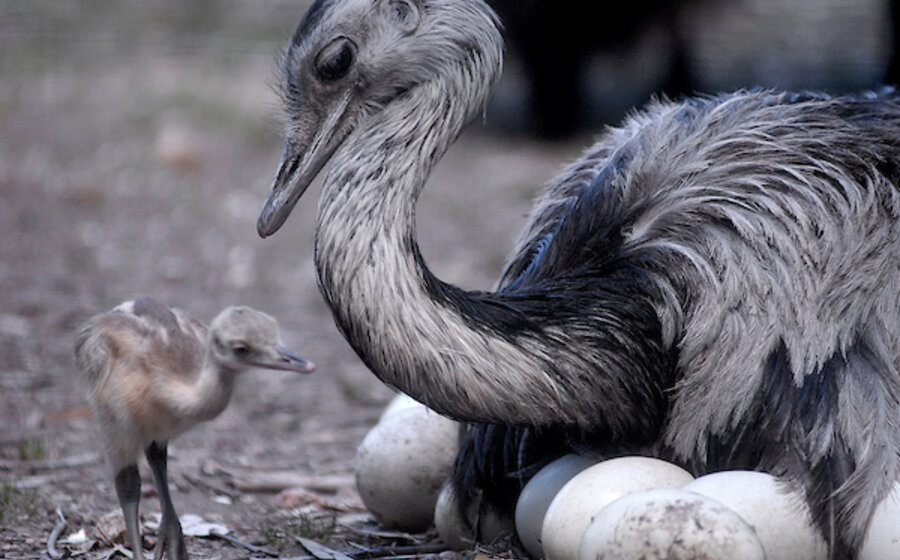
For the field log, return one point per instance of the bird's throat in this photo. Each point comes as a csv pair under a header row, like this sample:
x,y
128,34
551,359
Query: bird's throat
x,y
406,325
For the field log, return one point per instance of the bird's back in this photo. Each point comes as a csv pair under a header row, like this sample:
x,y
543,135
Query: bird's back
x,y
755,203
757,225
763,230
709,163
130,360
144,336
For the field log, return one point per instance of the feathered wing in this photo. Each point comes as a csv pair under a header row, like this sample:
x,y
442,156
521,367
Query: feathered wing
x,y
768,218
153,351
552,205
90,352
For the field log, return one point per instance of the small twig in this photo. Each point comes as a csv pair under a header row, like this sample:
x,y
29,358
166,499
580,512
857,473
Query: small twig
x,y
115,546
122,550
217,488
104,536
391,551
321,551
54,535
239,542
381,534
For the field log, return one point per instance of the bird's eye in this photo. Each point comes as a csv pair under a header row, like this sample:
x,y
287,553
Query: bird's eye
x,y
334,61
240,350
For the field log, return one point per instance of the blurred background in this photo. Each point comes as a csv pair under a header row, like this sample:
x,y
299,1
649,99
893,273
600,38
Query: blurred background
x,y
585,63
138,140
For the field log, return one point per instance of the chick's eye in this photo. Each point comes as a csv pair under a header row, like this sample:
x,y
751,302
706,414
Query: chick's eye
x,y
334,61
240,350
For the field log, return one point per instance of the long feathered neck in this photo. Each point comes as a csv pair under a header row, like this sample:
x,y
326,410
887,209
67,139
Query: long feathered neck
x,y
207,395
470,355
391,308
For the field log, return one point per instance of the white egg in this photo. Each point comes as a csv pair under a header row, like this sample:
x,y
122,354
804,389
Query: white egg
x,y
779,515
401,465
401,401
670,524
456,533
593,489
882,541
537,495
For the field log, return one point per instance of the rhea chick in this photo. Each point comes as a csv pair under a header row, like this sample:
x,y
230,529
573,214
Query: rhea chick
x,y
152,373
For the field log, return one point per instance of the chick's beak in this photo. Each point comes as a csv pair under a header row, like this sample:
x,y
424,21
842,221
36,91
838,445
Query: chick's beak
x,y
286,360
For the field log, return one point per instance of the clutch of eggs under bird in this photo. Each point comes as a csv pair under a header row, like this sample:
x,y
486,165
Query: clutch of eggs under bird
x,y
586,509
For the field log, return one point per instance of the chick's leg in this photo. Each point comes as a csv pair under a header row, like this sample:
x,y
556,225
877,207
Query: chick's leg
x,y
128,489
171,539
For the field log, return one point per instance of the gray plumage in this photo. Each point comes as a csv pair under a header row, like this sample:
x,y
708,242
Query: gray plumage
x,y
152,373
713,282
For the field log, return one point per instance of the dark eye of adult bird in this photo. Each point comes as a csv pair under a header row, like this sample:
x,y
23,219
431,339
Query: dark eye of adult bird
x,y
335,60
712,283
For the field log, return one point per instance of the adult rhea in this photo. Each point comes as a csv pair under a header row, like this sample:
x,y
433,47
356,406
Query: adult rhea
x,y
714,282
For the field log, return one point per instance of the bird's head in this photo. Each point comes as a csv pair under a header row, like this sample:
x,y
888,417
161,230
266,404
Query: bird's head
x,y
349,59
242,338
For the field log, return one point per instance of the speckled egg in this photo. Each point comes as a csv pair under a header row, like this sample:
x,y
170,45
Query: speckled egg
x,y
778,515
594,488
401,465
669,524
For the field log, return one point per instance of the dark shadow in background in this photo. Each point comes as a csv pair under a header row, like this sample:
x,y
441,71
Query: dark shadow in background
x,y
555,41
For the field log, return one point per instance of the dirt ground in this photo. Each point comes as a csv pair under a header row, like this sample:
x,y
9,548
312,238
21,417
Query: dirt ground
x,y
137,143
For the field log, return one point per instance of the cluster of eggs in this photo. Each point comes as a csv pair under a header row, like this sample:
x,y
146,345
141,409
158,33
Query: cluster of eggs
x,y
582,508
633,507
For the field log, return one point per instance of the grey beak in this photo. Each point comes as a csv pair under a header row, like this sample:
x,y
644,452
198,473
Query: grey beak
x,y
301,161
288,361
295,172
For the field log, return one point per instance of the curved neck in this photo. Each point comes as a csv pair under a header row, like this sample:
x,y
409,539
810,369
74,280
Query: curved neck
x,y
390,307
204,397
472,356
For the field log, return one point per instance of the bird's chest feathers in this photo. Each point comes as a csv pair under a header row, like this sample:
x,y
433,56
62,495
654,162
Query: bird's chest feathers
x,y
166,409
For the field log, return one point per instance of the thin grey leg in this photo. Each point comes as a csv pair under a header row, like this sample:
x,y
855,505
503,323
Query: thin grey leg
x,y
128,488
171,539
